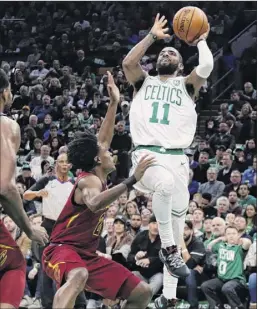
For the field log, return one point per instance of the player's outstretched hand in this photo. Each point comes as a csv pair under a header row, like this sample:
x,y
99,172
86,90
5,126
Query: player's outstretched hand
x,y
113,91
201,37
39,234
158,27
145,162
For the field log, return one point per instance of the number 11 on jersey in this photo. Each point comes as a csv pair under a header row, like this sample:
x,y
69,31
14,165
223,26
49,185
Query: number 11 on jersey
x,y
155,108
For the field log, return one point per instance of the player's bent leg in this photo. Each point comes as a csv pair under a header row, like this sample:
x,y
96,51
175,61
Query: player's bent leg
x,y
66,295
140,296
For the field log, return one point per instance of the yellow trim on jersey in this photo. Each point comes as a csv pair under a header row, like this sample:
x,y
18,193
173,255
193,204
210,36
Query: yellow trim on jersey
x,y
55,265
6,247
71,220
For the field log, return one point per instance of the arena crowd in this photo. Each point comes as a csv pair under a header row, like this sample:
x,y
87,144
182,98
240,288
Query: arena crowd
x,y
56,56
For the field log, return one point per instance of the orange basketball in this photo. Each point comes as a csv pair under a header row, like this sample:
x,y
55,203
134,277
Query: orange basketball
x,y
189,23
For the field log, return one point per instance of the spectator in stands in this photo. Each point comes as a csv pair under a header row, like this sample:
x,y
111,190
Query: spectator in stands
x,y
223,137
35,152
212,186
225,114
35,163
44,109
231,280
225,172
200,172
122,201
189,153
234,206
208,210
198,216
240,162
251,173
28,206
145,214
222,205
193,253
25,177
108,229
130,209
250,151
193,186
192,206
119,244
143,258
40,72
202,147
245,119
206,228
241,224
251,264
124,115
217,160
22,100
86,120
245,199
135,224
250,215
235,181
249,94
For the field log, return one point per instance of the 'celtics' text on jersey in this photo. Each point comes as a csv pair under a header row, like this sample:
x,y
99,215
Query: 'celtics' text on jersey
x,y
163,114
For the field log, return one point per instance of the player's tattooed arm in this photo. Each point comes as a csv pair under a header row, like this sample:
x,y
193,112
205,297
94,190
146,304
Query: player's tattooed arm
x,y
9,195
106,131
92,196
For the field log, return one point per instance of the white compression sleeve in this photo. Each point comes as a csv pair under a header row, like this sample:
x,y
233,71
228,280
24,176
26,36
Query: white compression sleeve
x,y
206,62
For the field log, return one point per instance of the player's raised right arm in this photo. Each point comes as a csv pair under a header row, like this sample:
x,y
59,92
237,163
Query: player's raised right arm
x,y
91,187
9,195
131,64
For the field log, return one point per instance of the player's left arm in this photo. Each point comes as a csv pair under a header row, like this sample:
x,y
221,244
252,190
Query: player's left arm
x,y
106,131
200,74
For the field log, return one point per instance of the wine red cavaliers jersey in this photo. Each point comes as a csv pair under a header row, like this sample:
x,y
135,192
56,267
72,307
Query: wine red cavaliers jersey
x,y
77,225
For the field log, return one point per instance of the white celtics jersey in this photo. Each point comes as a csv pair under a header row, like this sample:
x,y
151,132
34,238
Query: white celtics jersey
x,y
163,114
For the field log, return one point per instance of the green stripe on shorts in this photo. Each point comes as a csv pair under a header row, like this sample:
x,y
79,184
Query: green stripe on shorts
x,y
162,150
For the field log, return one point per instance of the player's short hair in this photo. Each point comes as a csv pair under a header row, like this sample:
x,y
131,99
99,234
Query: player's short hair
x,y
83,150
4,82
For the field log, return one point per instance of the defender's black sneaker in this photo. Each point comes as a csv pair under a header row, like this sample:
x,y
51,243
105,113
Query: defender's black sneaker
x,y
162,303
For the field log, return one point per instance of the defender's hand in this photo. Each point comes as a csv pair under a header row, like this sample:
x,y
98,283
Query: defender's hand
x,y
158,28
113,91
39,234
145,162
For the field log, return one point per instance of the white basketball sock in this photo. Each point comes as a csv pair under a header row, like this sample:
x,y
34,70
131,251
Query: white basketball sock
x,y
162,205
169,285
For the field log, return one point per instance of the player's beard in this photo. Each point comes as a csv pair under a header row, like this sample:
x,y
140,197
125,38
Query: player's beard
x,y
168,69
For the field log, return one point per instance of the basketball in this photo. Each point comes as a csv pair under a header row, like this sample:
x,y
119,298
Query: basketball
x,y
189,23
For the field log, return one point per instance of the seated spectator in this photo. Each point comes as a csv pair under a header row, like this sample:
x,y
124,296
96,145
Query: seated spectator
x,y
200,172
212,186
39,72
35,152
118,246
250,264
225,172
145,214
124,115
135,224
28,206
250,151
217,160
231,281
245,199
143,258
208,210
222,205
193,253
112,211
206,228
140,200
33,123
250,174
22,100
198,216
108,230
85,119
246,122
239,162
234,206
130,209
192,206
250,215
225,114
25,177
235,181
230,219
189,153
54,88
35,163
202,147
241,224
222,138
44,109
193,184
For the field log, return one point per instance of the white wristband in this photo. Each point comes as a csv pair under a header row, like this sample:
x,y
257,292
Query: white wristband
x,y
206,61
